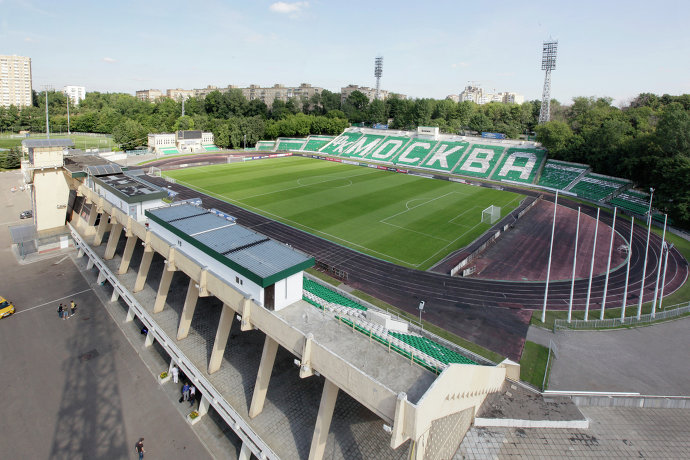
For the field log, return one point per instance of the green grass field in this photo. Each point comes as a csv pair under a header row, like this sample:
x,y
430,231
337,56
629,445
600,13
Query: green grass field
x,y
80,141
408,220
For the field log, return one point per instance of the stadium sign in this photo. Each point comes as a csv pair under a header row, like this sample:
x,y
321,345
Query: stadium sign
x,y
493,135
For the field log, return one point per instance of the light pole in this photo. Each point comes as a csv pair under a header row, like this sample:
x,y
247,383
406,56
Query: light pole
x,y
421,309
646,252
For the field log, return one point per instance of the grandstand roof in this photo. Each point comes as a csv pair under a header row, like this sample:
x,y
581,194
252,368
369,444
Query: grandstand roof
x,y
129,188
259,258
33,143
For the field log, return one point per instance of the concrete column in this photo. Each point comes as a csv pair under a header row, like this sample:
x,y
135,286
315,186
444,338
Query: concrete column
x,y
102,228
224,325
127,254
323,420
203,406
101,278
245,452
130,315
89,264
115,296
149,339
143,270
80,253
163,289
188,310
419,447
93,215
113,239
268,356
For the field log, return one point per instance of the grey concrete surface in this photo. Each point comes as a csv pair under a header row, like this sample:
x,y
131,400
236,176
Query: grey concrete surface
x,y
73,388
650,360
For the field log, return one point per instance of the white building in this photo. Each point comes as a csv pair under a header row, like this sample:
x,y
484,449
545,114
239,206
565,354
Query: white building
x,y
181,142
75,93
477,95
15,81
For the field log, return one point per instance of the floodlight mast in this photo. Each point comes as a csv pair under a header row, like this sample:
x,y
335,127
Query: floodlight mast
x,y
378,71
548,63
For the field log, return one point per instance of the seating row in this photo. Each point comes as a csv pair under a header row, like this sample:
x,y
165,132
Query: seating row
x,y
559,174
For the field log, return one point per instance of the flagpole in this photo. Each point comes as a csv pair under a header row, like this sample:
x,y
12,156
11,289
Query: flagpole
x,y
663,280
646,253
627,271
548,269
572,283
608,265
591,268
658,272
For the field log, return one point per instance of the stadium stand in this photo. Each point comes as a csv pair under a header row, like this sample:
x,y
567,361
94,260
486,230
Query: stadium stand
x,y
283,143
416,151
314,143
422,350
364,146
389,148
445,156
340,143
597,187
520,165
633,201
170,151
560,174
266,145
210,148
480,161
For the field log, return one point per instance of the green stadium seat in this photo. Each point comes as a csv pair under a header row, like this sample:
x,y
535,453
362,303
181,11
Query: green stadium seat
x,y
559,174
340,143
479,161
520,165
596,187
314,143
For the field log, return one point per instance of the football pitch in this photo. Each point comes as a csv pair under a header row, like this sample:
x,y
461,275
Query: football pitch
x,y
408,220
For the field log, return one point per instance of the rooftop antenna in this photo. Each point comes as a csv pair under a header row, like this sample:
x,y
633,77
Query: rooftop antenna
x,y
548,63
378,71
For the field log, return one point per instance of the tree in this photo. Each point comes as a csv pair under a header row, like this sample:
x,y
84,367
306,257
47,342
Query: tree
x,y
376,112
129,134
555,136
480,123
330,101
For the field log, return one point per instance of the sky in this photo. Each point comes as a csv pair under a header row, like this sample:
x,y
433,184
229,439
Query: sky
x,y
609,48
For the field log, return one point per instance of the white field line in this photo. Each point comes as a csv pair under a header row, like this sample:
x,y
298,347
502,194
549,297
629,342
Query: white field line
x,y
53,301
301,186
414,231
462,213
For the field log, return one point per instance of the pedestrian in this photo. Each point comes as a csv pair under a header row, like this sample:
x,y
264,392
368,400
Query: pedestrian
x,y
192,395
185,392
73,308
175,373
139,448
60,309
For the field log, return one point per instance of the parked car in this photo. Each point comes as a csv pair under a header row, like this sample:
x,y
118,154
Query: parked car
x,y
26,214
6,307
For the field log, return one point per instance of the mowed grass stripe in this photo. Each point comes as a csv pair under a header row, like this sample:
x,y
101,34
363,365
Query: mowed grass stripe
x,y
408,220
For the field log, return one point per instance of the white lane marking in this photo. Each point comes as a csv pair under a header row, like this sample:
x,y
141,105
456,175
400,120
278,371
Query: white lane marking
x,y
53,301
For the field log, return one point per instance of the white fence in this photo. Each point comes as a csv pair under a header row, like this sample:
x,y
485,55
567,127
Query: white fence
x,y
673,311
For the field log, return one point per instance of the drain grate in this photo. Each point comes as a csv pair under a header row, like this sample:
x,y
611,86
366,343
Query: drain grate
x,y
89,355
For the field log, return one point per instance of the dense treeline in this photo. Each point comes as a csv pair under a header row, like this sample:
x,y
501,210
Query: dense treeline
x,y
647,141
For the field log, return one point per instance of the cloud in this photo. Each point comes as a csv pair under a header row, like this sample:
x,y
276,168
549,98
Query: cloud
x,y
459,64
109,60
28,39
288,8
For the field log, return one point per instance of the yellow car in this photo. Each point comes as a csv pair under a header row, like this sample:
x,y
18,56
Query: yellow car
x,y
6,307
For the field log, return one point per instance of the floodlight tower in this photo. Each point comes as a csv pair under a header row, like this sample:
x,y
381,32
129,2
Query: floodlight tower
x,y
548,63
378,71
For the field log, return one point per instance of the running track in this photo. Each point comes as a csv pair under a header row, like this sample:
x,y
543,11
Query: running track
x,y
493,314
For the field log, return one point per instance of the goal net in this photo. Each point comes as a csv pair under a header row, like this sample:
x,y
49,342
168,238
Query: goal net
x,y
154,172
491,215
235,159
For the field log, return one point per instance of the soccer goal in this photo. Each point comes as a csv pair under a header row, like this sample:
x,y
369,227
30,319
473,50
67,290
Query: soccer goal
x,y
154,172
235,159
491,215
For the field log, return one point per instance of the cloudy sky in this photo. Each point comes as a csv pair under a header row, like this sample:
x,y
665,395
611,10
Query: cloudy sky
x,y
430,49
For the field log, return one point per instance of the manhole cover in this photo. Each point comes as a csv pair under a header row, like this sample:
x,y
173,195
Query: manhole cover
x,y
89,355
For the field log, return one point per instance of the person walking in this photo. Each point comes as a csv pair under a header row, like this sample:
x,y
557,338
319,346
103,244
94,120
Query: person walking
x,y
192,395
60,310
175,373
139,448
185,392
73,308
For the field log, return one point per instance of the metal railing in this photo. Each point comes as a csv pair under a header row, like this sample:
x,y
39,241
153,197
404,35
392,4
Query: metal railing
x,y
215,398
673,311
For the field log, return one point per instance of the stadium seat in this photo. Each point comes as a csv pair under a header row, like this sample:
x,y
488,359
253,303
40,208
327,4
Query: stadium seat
x,y
597,187
266,145
314,143
633,201
519,165
290,144
435,350
341,143
480,161
445,156
559,174
364,146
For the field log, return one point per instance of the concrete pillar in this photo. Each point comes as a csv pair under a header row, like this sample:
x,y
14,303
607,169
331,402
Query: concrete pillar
x,y
188,310
419,447
203,405
89,264
245,452
113,239
102,228
143,270
224,325
149,339
115,296
163,289
101,278
323,420
130,315
127,254
93,215
268,356
80,253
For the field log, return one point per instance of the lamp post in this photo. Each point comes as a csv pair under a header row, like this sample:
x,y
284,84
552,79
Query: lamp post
x,y
646,252
421,309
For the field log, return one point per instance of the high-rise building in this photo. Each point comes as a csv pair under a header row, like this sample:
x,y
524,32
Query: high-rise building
x,y
478,95
75,93
149,94
15,81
